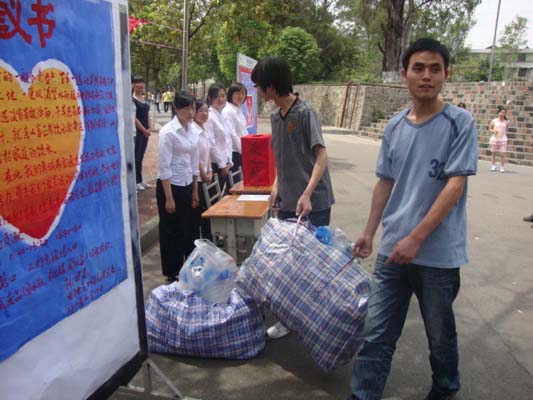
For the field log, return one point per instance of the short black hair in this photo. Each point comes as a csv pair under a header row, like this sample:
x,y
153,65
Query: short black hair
x,y
273,72
137,79
426,44
198,104
183,99
234,88
213,91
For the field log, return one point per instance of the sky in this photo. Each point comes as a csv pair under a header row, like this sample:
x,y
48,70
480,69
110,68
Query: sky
x,y
480,36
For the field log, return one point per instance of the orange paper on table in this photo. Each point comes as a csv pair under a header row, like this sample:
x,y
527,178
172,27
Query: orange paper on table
x,y
258,165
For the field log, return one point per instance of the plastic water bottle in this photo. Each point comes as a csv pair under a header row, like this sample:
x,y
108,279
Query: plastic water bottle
x,y
323,234
341,242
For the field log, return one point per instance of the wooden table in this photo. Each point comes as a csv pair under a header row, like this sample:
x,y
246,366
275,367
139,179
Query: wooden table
x,y
237,221
239,188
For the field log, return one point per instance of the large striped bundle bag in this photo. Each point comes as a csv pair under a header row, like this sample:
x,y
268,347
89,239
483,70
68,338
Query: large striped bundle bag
x,y
182,322
317,291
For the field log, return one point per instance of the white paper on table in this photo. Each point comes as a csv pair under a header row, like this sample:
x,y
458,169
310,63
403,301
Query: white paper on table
x,y
253,197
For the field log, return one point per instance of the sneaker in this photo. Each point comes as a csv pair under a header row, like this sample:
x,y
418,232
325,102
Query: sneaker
x,y
139,187
493,168
146,185
528,218
278,330
502,170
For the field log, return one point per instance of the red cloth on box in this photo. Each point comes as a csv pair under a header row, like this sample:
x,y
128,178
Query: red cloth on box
x,y
258,165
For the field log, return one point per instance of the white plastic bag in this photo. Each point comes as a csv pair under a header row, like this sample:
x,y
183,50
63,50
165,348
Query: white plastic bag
x,y
209,271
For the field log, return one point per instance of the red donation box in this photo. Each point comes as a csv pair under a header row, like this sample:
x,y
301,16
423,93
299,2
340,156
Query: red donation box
x,y
258,165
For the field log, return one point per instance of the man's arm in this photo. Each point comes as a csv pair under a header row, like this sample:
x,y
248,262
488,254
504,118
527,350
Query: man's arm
x,y
407,248
380,198
304,207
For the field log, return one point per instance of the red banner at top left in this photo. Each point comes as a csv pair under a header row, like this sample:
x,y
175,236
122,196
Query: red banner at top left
x,y
136,22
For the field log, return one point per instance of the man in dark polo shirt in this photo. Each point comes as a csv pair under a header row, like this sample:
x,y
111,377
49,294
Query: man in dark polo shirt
x,y
302,186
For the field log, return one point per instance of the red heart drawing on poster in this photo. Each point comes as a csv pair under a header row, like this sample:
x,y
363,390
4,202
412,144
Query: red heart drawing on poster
x,y
41,140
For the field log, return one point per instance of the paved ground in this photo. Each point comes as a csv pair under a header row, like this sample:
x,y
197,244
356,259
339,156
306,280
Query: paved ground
x,y
494,309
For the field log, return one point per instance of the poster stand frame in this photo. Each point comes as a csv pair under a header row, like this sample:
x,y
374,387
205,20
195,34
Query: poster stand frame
x,y
146,391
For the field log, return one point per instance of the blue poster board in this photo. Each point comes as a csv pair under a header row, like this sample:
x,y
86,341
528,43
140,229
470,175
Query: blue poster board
x,y
62,236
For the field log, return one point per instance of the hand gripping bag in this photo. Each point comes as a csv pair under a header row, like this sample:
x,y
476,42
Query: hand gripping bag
x,y
314,289
183,323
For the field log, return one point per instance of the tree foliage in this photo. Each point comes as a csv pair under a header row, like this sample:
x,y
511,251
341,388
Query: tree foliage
x,y
301,52
335,40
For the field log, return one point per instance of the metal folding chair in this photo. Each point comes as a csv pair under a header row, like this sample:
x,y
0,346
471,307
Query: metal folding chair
x,y
234,174
214,188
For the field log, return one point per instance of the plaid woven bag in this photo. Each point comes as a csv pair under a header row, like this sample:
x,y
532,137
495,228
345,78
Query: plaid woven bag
x,y
313,289
181,322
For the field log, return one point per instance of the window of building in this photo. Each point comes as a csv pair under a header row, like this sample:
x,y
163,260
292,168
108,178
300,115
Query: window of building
x,y
521,57
522,72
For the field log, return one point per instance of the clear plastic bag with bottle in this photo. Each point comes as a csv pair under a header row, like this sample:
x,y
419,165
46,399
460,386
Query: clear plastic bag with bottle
x,y
209,271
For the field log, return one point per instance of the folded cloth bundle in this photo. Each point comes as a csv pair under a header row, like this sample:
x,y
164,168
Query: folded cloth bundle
x,y
312,288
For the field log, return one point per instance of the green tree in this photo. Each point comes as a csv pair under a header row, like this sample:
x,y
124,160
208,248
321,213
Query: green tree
x,y
301,52
391,25
476,69
512,39
156,48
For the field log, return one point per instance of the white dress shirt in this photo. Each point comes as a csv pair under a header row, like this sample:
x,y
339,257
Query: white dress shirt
x,y
218,131
178,153
204,146
237,121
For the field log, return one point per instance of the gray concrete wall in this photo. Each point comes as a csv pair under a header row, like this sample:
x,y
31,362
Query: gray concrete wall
x,y
348,106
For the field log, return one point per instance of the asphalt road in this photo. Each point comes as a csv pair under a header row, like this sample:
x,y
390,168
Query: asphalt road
x,y
494,309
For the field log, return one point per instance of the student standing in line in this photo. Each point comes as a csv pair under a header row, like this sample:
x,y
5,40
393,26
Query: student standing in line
x,y
205,173
498,140
157,100
142,127
177,187
233,113
218,131
302,186
427,153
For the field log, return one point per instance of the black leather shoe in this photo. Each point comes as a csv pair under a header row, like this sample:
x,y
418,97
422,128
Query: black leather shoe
x,y
529,218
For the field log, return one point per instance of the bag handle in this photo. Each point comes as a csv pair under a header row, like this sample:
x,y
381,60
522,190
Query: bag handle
x,y
298,223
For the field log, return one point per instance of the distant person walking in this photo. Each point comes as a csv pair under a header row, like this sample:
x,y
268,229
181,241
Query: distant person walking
x,y
177,187
142,129
498,141
167,100
529,218
426,154
157,100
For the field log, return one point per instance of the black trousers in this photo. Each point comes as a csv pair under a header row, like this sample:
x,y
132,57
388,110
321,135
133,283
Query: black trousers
x,y
141,143
177,231
203,223
224,180
236,158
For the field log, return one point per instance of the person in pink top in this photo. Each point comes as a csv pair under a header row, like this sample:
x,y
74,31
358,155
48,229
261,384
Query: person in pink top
x,y
498,141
